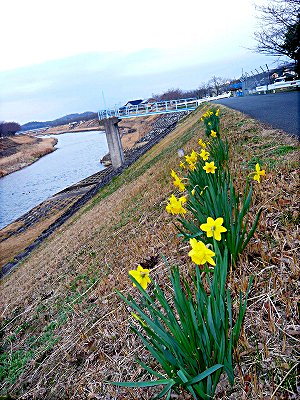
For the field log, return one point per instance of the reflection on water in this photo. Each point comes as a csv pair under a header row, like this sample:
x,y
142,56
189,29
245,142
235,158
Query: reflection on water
x,y
77,156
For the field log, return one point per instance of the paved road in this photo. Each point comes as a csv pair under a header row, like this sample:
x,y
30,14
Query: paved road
x,y
280,110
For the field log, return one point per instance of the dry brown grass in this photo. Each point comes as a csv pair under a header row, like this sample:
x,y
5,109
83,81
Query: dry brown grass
x,y
139,127
27,150
17,243
70,280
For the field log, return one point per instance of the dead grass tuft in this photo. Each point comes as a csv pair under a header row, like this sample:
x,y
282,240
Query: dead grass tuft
x,y
22,151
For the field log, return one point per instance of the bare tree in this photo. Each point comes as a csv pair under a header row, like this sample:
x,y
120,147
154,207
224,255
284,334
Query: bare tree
x,y
279,29
217,84
202,90
170,94
8,128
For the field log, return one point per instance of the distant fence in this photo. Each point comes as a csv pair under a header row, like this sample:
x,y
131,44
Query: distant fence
x,y
220,96
264,79
276,85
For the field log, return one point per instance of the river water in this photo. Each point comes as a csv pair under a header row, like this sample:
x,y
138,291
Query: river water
x,y
77,157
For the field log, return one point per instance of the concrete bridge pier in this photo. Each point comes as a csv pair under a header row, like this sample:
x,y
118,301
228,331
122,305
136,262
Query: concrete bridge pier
x,y
114,141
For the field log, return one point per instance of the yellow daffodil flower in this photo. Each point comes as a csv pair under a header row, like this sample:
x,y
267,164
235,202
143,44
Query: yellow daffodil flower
x,y
192,158
258,173
204,155
213,228
217,112
200,254
141,275
207,114
182,165
173,174
210,167
177,181
213,133
202,144
175,205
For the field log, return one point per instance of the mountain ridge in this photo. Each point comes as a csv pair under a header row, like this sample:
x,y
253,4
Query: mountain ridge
x,y
59,121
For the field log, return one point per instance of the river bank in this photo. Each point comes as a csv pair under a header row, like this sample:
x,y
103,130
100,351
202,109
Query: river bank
x,y
20,151
82,126
23,234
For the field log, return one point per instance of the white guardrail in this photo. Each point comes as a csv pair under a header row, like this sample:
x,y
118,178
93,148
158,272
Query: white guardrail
x,y
221,96
277,85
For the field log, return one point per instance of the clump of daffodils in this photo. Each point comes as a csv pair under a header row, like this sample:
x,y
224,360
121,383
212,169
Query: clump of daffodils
x,y
207,195
212,122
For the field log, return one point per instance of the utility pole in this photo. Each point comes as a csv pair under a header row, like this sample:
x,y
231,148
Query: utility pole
x,y
269,81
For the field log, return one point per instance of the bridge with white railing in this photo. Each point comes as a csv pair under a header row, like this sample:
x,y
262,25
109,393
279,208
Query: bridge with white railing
x,y
159,107
110,119
144,109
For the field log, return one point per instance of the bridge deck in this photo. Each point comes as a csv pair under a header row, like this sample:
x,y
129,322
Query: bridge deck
x,y
144,109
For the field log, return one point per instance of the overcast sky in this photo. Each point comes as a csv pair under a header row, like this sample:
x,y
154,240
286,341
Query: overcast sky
x,y
58,56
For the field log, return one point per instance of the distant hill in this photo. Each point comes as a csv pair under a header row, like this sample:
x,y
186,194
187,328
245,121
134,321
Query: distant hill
x,y
60,121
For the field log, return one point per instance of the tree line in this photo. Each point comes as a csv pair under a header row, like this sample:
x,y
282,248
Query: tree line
x,y
215,86
9,128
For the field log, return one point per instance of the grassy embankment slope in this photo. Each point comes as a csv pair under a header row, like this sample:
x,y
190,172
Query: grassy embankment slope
x,y
64,329
20,151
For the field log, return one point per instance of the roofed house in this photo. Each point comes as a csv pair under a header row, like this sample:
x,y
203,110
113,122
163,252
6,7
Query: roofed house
x,y
133,103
